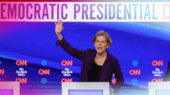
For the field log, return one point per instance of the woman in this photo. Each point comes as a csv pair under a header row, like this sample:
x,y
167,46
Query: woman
x,y
97,65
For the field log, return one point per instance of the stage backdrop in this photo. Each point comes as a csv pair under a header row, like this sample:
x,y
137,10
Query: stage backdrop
x,y
28,52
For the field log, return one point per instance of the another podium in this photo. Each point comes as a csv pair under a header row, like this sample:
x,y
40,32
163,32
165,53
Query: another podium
x,y
9,88
159,88
86,88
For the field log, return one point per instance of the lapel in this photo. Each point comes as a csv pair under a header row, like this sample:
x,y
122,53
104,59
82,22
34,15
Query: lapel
x,y
93,55
106,61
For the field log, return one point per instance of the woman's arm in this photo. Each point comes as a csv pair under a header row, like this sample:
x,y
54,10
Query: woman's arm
x,y
60,37
119,78
65,45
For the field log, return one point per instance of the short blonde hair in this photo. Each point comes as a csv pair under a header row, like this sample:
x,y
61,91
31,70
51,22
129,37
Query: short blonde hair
x,y
101,32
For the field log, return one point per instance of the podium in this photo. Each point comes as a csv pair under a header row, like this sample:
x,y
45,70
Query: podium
x,y
9,88
159,88
86,88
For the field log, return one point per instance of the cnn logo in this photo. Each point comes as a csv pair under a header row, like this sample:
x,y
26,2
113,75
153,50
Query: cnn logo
x,y
67,80
2,71
157,80
44,72
135,72
21,62
157,63
67,63
21,80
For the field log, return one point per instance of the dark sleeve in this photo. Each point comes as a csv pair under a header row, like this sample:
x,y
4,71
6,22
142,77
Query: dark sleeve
x,y
70,50
119,78
167,75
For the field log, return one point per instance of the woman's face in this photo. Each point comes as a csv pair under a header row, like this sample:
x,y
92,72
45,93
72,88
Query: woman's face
x,y
101,44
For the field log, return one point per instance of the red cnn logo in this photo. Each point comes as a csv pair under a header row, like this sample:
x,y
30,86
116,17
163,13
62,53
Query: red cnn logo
x,y
157,63
1,71
67,63
66,80
21,62
21,80
157,80
114,81
44,72
135,72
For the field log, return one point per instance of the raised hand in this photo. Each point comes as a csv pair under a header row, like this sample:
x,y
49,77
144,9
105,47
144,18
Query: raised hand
x,y
58,26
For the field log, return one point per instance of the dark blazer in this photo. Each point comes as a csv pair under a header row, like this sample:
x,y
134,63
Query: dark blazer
x,y
110,66
167,75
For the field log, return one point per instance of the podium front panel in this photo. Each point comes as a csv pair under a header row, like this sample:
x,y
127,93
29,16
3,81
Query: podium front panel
x,y
102,88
